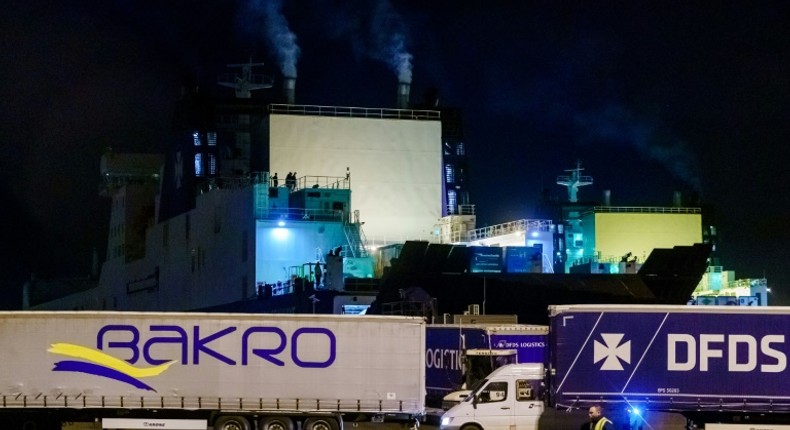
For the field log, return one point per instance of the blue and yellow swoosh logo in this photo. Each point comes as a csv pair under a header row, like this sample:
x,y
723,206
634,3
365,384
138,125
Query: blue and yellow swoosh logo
x,y
102,364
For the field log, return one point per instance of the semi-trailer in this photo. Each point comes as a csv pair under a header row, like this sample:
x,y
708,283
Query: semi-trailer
x,y
132,370
459,355
649,366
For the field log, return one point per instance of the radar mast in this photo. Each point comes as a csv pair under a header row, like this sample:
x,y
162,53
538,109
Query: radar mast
x,y
574,181
245,82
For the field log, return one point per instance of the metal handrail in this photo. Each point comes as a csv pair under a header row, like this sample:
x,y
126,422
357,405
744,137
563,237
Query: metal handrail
x,y
509,227
355,112
646,209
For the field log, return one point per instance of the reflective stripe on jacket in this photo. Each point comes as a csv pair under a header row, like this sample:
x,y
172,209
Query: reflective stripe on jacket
x,y
601,423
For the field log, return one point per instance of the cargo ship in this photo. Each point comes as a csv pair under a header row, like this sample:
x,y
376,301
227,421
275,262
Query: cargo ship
x,y
265,205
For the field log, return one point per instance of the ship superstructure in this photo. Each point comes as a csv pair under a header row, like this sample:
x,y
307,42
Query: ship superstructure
x,y
264,206
252,203
246,238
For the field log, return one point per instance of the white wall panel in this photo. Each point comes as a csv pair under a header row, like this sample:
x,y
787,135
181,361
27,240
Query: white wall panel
x,y
396,167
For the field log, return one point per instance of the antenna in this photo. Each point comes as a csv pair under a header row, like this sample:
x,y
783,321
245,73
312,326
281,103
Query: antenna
x,y
245,82
574,181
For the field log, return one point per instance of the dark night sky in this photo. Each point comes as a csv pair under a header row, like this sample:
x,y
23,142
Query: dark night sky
x,y
652,97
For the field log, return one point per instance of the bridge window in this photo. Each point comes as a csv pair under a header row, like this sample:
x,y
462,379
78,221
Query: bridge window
x,y
449,173
198,164
451,202
212,164
459,149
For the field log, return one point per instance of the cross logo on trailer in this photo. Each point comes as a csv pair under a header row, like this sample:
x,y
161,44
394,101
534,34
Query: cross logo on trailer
x,y
612,351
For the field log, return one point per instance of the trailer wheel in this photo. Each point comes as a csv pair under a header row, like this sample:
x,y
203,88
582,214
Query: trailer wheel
x,y
231,422
320,424
276,423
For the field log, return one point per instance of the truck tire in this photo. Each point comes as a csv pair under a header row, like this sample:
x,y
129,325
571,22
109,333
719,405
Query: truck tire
x,y
471,427
231,422
320,423
276,423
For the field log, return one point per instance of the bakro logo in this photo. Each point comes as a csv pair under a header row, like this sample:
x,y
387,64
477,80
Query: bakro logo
x,y
612,351
305,347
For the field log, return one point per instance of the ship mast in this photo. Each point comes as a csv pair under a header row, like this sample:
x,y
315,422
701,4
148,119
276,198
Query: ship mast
x,y
246,82
574,181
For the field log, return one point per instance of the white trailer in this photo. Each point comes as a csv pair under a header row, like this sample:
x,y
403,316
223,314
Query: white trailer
x,y
200,370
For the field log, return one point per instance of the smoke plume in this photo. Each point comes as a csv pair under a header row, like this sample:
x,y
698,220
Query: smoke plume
x,y
377,32
278,34
388,34
617,125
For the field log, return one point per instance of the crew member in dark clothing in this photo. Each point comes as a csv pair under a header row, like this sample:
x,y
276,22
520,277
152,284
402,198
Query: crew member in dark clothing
x,y
318,274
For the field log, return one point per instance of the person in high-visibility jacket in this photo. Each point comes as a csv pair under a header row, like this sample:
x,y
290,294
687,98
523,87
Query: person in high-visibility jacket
x,y
597,420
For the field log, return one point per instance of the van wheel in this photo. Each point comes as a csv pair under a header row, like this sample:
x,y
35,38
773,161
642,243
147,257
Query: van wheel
x,y
470,427
276,423
231,422
320,424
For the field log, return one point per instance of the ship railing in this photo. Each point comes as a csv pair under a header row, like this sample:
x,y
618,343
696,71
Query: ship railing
x,y
281,288
317,182
460,209
597,257
409,308
278,288
646,209
427,309
356,242
258,178
509,227
231,182
355,112
300,214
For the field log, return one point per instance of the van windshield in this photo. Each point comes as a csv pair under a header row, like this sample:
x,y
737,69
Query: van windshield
x,y
477,386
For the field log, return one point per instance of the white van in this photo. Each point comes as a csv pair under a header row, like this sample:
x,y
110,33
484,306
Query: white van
x,y
510,398
513,397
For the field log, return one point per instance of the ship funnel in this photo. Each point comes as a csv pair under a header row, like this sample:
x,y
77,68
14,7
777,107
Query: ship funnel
x,y
403,95
289,87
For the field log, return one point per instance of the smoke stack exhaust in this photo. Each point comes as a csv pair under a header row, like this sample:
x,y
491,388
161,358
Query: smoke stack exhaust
x,y
289,87
607,197
403,95
677,199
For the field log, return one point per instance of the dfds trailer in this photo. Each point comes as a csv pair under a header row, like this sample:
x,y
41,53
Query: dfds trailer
x,y
723,365
195,370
